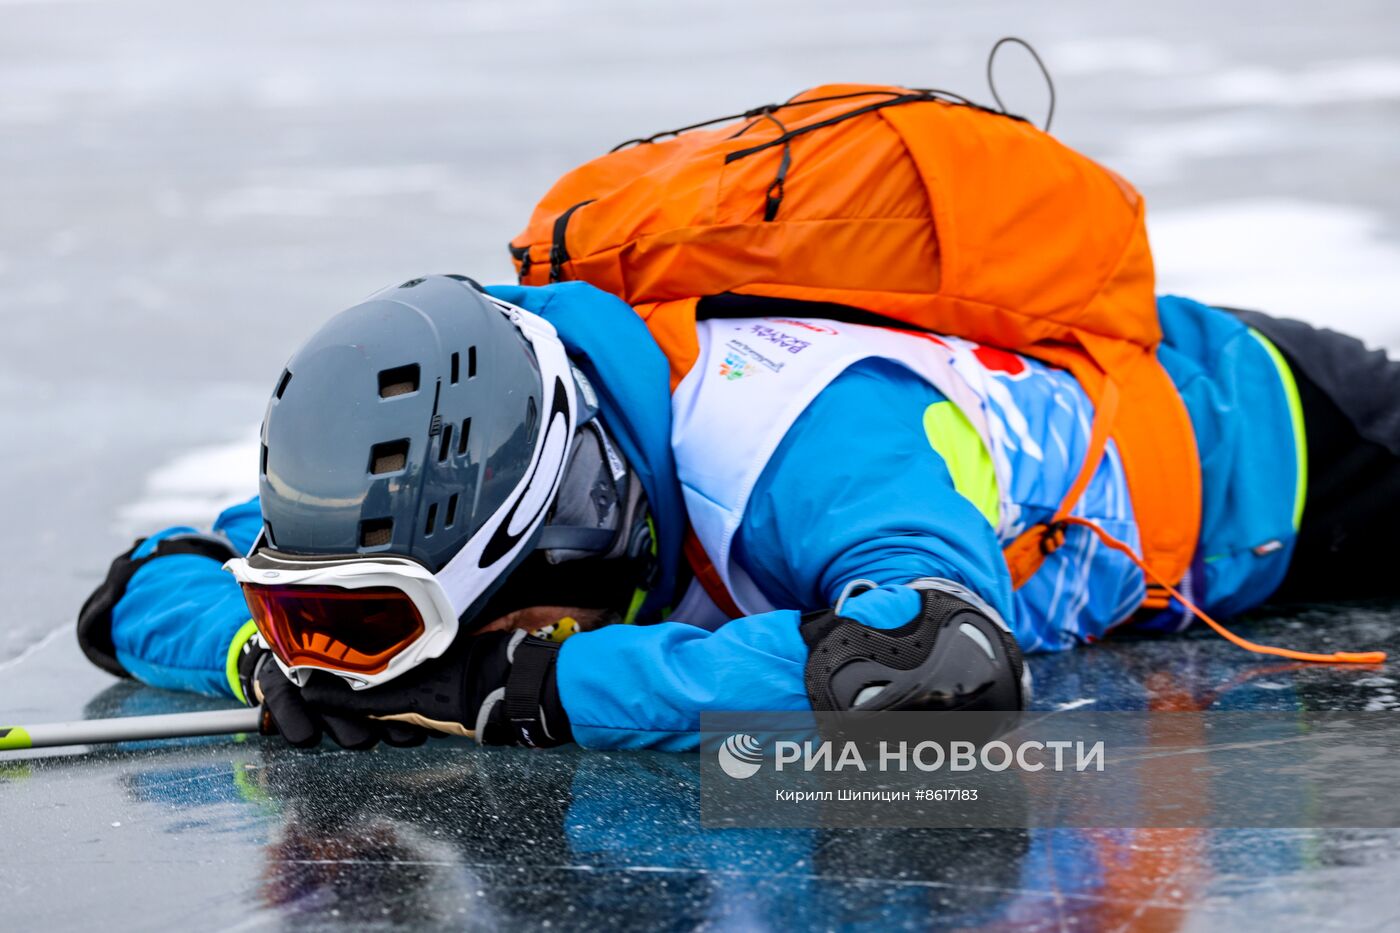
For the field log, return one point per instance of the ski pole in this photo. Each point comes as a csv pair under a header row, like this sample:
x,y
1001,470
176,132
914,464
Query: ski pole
x,y
130,728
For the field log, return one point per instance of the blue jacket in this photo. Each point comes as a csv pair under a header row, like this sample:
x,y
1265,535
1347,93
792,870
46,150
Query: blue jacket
x,y
825,511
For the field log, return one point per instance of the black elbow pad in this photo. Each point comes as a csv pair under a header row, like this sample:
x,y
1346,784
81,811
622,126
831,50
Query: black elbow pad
x,y
951,656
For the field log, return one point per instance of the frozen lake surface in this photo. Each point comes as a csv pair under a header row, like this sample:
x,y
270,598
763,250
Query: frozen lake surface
x,y
187,191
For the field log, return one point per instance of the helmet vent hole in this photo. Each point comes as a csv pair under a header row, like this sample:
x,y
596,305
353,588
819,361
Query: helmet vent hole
x,y
445,447
451,517
401,380
432,519
456,367
471,362
390,457
463,438
264,460
282,383
376,532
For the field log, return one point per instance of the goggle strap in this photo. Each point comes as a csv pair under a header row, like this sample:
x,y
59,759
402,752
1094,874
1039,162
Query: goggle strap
x,y
575,538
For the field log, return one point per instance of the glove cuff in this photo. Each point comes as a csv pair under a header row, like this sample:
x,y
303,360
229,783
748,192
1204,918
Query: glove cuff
x,y
245,665
527,710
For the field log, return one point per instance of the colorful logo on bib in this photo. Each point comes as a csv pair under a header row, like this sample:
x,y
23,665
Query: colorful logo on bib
x,y
734,367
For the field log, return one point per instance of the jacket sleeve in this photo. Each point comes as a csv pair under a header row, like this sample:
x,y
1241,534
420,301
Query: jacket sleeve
x,y
645,686
181,620
854,491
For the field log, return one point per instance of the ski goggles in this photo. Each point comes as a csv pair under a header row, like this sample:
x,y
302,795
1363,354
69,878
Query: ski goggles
x,y
370,618
366,620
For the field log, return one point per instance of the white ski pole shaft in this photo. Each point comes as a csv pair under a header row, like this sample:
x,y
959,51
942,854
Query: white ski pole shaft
x,y
130,728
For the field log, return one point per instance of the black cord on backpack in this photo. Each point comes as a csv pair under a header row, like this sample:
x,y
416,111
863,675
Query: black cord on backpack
x,y
757,114
991,82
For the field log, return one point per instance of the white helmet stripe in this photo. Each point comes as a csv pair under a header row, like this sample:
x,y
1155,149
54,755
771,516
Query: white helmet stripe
x,y
472,571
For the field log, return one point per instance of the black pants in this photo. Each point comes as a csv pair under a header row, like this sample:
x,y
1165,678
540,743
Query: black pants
x,y
1347,544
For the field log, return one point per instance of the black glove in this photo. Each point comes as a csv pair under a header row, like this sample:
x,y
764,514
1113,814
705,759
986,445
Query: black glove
x,y
498,688
286,712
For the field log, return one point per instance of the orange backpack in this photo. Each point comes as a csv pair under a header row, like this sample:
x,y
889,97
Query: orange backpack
x,y
929,211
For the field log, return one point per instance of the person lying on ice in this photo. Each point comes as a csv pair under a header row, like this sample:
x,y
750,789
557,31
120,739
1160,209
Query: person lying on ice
x,y
444,470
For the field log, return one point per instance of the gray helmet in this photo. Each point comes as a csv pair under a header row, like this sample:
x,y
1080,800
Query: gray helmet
x,y
401,426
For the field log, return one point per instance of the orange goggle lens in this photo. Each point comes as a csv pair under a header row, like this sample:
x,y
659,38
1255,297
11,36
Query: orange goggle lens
x,y
359,631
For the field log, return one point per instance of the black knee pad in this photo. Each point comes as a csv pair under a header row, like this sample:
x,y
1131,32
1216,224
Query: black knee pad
x,y
952,656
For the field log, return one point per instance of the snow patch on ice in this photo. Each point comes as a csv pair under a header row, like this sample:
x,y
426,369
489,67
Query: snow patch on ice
x,y
1123,54
194,487
1322,263
1157,155
1201,76
1319,83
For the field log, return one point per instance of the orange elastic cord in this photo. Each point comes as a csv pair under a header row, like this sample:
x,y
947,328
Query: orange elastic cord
x,y
1105,412
1337,657
1028,551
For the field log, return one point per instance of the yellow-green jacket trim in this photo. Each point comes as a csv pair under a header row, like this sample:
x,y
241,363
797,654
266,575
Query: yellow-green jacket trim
x,y
235,648
1295,413
952,435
